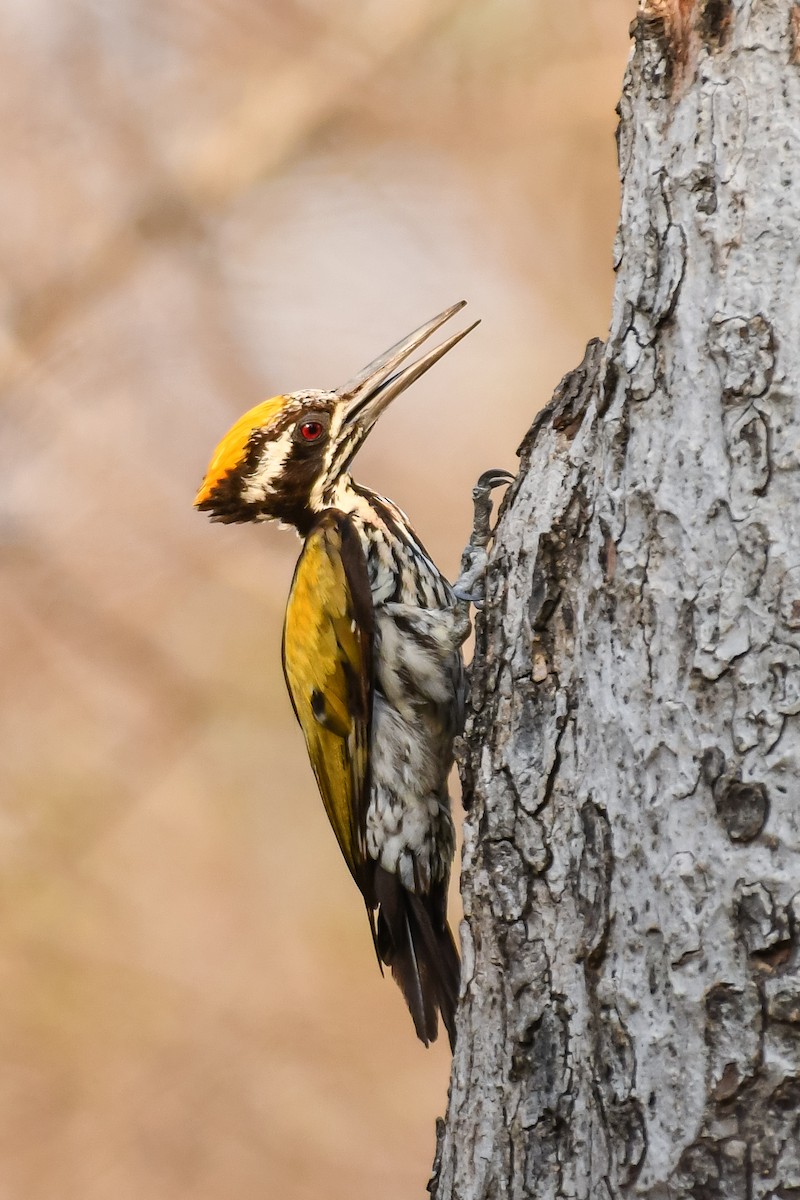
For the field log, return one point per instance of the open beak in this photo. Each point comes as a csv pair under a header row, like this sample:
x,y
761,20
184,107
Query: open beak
x,y
373,389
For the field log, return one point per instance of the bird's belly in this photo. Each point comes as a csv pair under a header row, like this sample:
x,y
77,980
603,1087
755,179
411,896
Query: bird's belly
x,y
417,711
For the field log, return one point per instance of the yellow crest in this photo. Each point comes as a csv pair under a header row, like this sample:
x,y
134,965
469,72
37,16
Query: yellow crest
x,y
230,451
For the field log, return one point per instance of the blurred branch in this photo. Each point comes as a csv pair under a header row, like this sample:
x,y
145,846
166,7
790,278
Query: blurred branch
x,y
268,124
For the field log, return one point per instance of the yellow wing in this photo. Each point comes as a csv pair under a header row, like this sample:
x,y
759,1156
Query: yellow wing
x,y
327,661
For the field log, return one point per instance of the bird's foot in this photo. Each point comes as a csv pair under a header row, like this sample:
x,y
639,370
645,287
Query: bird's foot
x,y
469,587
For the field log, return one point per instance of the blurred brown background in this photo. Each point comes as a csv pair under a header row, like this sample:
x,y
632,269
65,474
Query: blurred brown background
x,y
204,204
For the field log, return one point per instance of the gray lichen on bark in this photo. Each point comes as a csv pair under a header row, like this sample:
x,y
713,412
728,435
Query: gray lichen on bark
x,y
630,1023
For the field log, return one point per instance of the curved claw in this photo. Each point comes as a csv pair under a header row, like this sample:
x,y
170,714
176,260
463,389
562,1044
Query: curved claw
x,y
482,502
494,477
469,585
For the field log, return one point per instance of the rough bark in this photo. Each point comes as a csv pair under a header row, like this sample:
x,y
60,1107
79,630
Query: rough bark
x,y
631,878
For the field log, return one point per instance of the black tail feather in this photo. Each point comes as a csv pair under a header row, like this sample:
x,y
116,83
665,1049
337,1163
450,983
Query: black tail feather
x,y
414,940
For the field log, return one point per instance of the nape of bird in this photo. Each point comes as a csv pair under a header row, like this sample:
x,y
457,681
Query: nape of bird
x,y
371,653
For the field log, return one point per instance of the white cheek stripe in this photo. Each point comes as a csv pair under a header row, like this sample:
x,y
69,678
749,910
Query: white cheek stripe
x,y
315,499
270,465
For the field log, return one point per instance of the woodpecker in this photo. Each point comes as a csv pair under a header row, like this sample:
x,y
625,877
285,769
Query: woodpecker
x,y
371,654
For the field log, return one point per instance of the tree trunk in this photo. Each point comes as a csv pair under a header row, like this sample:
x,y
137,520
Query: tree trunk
x,y
630,1023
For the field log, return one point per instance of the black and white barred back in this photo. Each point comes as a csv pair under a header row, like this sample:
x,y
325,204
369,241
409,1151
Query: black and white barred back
x,y
419,697
418,708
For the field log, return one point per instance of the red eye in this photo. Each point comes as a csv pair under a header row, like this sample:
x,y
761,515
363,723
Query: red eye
x,y
312,428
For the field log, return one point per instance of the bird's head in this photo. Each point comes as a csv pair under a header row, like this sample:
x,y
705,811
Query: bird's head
x,y
283,459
